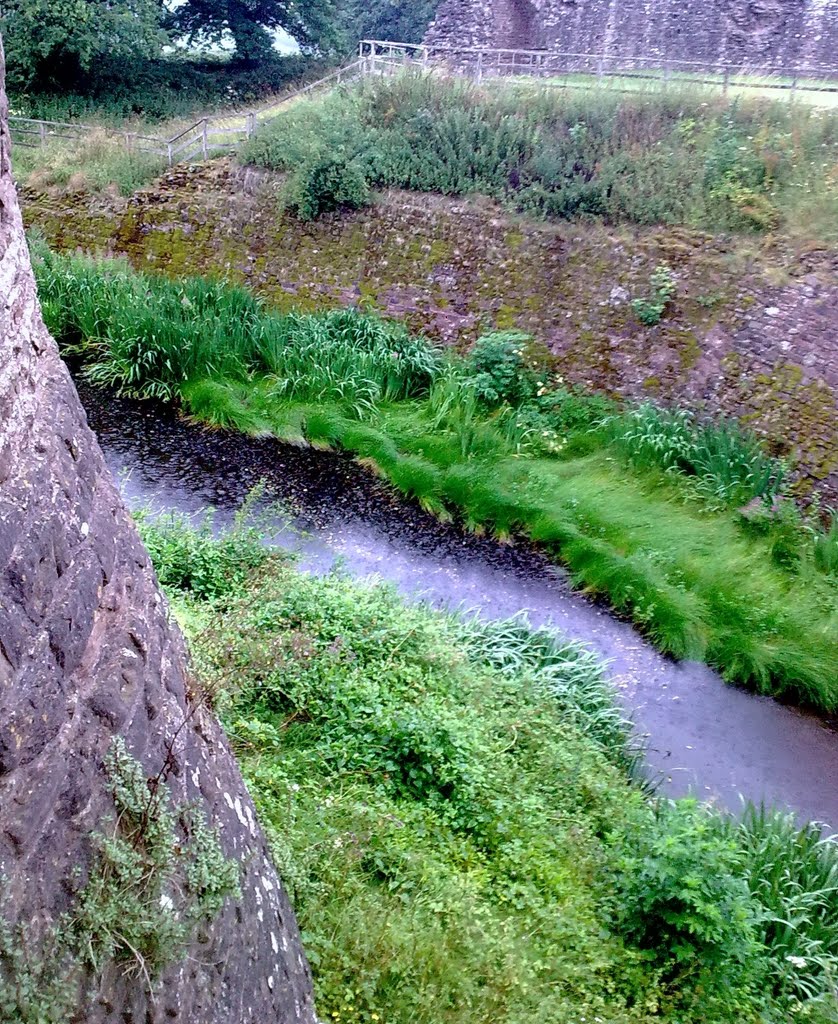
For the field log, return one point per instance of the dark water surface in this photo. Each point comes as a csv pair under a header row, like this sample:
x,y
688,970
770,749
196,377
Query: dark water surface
x,y
703,736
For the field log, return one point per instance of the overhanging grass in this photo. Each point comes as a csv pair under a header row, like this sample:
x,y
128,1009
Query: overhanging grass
x,y
759,606
691,579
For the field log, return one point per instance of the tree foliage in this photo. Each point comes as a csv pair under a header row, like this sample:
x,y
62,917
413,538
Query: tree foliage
x,y
251,24
58,39
403,21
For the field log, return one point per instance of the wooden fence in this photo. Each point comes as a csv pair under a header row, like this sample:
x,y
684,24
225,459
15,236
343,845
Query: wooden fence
x,y
211,136
207,137
560,67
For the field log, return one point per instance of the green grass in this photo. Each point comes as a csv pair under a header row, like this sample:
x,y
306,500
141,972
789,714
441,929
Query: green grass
x,y
93,163
640,505
676,156
453,806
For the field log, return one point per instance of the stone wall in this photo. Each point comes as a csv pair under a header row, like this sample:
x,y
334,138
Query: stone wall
x,y
785,33
752,332
89,652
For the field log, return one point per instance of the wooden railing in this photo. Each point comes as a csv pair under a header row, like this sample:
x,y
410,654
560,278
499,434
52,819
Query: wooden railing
x,y
223,133
382,55
207,137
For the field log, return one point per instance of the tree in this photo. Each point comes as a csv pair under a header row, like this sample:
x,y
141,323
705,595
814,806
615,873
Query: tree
x,y
251,23
103,734
402,21
55,40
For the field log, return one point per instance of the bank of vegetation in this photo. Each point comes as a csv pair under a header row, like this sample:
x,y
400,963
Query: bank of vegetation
x,y
683,526
462,823
666,156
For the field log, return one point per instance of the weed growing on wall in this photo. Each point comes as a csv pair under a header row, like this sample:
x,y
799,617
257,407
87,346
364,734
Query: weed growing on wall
x,y
662,290
158,871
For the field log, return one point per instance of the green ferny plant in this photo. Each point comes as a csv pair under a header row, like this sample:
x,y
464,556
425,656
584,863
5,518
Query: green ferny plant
x,y
161,872
663,287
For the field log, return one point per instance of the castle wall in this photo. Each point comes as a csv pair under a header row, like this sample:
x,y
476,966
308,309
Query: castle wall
x,y
782,33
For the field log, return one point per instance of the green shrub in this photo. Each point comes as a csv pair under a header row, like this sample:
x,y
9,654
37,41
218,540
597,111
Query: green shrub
x,y
683,899
500,367
194,558
675,157
324,185
113,91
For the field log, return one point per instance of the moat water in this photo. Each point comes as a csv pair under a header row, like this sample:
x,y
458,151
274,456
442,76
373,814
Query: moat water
x,y
703,736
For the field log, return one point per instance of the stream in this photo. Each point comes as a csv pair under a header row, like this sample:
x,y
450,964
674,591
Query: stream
x,y
703,736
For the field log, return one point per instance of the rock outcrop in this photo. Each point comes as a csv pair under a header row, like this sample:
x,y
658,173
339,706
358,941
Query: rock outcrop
x,y
88,653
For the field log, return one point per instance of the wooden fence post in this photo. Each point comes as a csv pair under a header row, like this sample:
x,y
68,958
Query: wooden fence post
x,y
480,66
250,125
169,155
42,133
204,139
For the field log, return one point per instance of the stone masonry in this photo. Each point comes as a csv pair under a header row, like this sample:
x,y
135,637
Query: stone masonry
x,y
794,34
89,652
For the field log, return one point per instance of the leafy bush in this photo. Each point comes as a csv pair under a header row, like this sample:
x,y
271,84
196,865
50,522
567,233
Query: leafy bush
x,y
325,185
192,557
682,897
112,91
500,366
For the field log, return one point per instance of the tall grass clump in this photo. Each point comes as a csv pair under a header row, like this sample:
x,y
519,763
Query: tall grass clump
x,y
792,873
94,163
148,336
679,156
725,463
826,546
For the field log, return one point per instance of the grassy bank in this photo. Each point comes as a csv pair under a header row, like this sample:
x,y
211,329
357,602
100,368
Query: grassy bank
x,y
672,157
642,505
452,807
96,162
